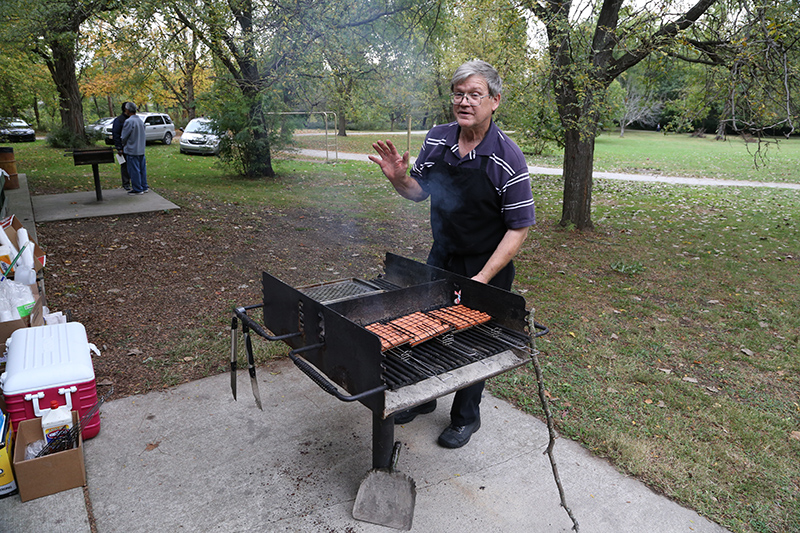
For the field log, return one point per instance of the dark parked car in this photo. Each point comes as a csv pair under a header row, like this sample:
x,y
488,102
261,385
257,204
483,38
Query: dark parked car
x,y
16,130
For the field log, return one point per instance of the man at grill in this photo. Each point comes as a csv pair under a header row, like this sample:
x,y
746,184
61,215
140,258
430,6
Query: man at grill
x,y
481,206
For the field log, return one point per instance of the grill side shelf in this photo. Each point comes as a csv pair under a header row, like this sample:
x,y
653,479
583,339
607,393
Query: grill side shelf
x,y
405,365
435,387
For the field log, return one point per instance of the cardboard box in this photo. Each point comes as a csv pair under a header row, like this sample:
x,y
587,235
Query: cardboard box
x,y
10,225
7,484
36,318
49,474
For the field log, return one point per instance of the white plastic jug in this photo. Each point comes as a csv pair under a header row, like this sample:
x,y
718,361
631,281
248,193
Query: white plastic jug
x,y
55,419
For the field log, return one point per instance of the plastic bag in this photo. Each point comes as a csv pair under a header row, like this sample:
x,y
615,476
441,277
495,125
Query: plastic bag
x,y
16,300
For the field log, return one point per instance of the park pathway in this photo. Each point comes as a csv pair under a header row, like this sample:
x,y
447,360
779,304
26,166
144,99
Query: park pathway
x,y
646,178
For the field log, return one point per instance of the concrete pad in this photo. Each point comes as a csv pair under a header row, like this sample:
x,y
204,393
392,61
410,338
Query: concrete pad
x,y
64,512
193,459
19,205
53,207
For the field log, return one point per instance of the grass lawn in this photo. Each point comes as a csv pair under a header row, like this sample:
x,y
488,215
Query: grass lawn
x,y
675,329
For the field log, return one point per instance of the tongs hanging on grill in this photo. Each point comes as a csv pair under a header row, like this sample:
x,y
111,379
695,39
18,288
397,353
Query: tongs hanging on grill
x,y
240,313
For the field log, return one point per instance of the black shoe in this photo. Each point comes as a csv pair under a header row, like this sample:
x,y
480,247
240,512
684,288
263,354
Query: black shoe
x,y
458,436
135,192
404,417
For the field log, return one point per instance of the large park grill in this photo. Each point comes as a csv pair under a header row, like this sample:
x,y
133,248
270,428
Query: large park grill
x,y
411,335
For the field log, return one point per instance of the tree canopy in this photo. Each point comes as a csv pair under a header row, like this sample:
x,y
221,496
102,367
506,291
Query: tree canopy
x,y
379,62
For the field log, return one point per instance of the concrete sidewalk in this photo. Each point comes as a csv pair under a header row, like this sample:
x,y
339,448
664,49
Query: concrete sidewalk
x,y
193,459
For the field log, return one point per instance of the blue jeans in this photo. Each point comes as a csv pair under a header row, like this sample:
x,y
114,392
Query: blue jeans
x,y
137,169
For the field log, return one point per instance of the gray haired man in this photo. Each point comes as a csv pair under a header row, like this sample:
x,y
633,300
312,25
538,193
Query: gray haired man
x,y
481,206
133,143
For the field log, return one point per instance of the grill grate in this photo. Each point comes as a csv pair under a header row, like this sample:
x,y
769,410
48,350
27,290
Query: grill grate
x,y
408,365
339,290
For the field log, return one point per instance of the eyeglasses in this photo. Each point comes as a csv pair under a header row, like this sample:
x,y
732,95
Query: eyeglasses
x,y
473,99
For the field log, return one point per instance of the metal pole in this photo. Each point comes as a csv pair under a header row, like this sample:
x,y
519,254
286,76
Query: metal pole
x,y
382,440
408,137
98,191
326,136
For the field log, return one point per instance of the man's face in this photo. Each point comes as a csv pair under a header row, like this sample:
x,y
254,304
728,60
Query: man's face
x,y
475,117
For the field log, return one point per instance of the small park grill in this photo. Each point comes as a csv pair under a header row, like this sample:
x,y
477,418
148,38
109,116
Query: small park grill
x,y
94,157
411,335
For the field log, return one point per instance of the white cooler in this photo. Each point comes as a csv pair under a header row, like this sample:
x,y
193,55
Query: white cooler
x,y
47,363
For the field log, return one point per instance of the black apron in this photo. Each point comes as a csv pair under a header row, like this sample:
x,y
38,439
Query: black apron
x,y
466,220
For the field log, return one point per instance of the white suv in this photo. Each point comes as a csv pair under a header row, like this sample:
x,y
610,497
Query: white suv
x,y
157,127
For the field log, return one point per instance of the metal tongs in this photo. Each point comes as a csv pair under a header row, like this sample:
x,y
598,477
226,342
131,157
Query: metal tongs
x,y
240,313
66,439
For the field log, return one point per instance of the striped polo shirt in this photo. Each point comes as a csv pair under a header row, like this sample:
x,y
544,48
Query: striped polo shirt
x,y
506,168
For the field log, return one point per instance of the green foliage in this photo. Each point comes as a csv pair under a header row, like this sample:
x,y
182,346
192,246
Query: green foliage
x,y
63,138
250,140
629,269
529,108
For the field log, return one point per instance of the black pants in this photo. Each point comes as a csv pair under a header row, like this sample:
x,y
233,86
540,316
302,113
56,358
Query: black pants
x,y
126,179
467,401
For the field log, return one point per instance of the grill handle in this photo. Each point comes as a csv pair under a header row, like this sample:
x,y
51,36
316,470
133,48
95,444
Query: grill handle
x,y
543,330
241,313
322,381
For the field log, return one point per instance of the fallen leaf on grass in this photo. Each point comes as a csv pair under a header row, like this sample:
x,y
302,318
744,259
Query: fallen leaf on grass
x,y
188,358
666,370
690,380
749,353
134,351
648,401
795,435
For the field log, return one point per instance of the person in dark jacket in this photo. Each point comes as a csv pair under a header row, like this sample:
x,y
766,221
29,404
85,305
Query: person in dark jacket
x,y
116,137
481,207
133,143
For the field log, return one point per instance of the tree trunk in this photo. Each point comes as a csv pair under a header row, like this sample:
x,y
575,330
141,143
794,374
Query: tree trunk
x,y
188,81
36,112
578,166
62,70
258,159
342,126
191,109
